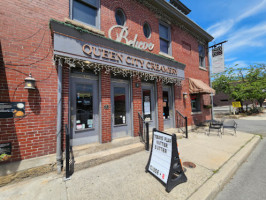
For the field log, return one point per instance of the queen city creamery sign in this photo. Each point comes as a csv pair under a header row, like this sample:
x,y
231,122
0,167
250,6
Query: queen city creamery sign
x,y
131,62
122,36
142,63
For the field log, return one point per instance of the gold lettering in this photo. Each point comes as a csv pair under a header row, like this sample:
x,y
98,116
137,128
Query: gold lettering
x,y
86,46
112,56
141,63
105,54
128,59
120,57
148,65
99,51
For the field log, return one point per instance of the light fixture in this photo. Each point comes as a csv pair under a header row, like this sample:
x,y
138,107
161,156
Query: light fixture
x,y
184,95
30,82
137,85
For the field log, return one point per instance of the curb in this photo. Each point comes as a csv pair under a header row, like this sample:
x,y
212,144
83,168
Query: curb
x,y
217,181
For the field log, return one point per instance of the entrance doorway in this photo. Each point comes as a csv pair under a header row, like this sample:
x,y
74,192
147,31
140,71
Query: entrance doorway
x,y
84,109
148,105
168,114
121,118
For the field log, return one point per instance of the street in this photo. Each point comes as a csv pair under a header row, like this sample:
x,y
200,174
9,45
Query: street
x,y
250,180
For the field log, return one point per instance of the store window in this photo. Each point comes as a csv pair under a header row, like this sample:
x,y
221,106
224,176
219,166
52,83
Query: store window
x,y
201,56
147,104
120,105
147,30
86,11
165,105
165,38
84,106
120,17
195,102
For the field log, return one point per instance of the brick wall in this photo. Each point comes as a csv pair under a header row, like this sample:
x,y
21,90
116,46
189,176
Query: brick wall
x,y
26,46
137,104
106,101
160,106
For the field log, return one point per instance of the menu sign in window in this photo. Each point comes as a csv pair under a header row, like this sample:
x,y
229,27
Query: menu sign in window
x,y
12,109
5,151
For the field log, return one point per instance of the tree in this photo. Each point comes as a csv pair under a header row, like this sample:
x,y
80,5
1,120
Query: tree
x,y
246,83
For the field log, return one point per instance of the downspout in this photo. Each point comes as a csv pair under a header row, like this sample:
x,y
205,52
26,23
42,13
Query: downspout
x,y
59,118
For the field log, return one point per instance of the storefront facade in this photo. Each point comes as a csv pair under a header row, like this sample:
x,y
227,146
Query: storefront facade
x,y
98,72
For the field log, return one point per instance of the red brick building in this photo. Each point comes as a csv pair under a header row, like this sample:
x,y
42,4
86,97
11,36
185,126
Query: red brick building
x,y
97,64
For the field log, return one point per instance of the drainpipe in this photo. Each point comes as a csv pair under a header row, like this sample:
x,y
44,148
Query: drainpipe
x,y
59,119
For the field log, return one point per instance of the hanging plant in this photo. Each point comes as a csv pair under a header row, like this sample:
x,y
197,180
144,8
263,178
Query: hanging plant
x,y
207,106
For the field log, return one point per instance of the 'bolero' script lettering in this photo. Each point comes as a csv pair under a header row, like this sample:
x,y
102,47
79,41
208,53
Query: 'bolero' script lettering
x,y
123,36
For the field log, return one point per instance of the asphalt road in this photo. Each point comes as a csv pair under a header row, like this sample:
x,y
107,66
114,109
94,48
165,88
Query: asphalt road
x,y
253,125
250,180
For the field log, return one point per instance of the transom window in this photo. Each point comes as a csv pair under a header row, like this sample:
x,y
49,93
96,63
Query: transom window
x,y
86,11
165,39
120,17
201,56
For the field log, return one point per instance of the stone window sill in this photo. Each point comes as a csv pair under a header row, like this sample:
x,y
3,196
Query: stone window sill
x,y
196,113
166,55
89,28
203,68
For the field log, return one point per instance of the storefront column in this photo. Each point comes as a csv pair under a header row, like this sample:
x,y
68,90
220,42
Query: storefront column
x,y
106,107
137,103
160,105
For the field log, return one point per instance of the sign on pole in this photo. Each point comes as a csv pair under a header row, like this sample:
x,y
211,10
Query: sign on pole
x,y
217,59
236,104
164,162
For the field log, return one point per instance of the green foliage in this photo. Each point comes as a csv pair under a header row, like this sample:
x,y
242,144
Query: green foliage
x,y
242,83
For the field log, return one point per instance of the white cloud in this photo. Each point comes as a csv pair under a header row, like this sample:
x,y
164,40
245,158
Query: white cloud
x,y
247,37
260,7
223,27
220,28
230,59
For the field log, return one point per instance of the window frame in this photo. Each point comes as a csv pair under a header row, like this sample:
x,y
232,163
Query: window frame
x,y
197,101
124,15
204,52
169,36
149,27
97,5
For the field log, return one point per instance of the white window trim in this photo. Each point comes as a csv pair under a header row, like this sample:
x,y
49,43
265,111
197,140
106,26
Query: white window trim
x,y
170,38
98,17
204,58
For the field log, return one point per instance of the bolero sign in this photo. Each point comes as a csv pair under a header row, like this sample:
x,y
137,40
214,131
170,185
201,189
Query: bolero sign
x,y
123,34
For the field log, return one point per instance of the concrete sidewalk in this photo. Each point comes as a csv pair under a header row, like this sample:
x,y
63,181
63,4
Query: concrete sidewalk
x,y
216,159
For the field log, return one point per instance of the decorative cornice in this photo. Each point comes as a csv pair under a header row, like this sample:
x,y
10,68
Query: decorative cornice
x,y
165,17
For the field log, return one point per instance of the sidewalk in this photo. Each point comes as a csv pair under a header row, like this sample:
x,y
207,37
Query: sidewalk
x,y
216,159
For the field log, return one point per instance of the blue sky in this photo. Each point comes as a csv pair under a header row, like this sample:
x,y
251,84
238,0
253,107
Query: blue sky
x,y
241,22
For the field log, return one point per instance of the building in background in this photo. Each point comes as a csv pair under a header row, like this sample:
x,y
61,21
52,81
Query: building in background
x,y
96,65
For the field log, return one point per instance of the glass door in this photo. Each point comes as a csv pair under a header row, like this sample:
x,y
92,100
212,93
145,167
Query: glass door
x,y
168,107
84,108
148,104
121,118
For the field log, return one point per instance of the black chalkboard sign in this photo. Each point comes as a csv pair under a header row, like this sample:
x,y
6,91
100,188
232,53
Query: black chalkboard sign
x,y
12,109
164,162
